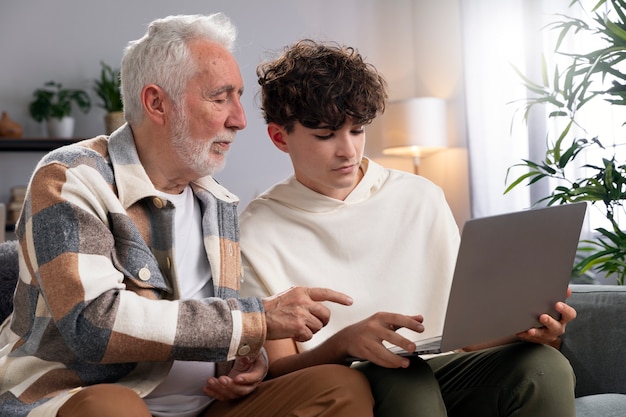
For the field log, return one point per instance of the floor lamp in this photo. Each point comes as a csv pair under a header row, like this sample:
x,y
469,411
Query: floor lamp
x,y
414,128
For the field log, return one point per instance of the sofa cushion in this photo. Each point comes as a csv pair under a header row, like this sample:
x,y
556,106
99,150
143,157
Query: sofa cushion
x,y
601,405
594,341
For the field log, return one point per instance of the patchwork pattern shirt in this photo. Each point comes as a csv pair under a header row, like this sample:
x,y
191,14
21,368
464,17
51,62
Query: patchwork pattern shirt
x,y
98,300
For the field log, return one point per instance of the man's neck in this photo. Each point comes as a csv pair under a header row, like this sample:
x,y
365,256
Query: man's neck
x,y
156,157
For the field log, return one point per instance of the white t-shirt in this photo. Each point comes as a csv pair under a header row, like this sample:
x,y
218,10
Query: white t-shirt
x,y
180,394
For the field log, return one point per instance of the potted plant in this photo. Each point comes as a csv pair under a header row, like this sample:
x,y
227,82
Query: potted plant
x,y
107,87
53,105
590,76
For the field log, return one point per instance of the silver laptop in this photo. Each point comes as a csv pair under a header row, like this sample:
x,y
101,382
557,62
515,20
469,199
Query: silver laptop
x,y
510,269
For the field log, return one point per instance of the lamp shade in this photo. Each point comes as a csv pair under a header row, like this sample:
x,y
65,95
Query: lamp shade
x,y
414,127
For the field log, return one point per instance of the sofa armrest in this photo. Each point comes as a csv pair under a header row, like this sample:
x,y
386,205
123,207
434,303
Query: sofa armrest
x,y
594,341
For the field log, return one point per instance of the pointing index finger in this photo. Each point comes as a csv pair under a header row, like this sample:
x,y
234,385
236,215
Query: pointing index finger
x,y
326,294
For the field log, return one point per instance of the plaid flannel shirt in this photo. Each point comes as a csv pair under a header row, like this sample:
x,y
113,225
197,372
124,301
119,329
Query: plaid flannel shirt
x,y
97,300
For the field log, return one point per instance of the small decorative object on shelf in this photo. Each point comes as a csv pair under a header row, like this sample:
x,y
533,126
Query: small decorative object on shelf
x,y
18,193
9,128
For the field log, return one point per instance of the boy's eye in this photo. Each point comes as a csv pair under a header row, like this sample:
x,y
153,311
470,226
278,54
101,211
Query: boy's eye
x,y
328,136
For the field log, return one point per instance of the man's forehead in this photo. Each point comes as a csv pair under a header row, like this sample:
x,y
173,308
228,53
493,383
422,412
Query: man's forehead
x,y
218,68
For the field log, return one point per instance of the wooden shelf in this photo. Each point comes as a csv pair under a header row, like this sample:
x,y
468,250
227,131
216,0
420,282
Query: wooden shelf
x,y
33,144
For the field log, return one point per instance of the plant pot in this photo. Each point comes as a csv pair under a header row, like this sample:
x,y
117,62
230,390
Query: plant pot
x,y
60,128
113,120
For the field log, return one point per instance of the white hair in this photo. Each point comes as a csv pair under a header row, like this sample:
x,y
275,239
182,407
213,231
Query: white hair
x,y
162,56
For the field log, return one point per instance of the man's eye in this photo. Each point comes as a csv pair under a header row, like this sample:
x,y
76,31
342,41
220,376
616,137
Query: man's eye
x,y
222,98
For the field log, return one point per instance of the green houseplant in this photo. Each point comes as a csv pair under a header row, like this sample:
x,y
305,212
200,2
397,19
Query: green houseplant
x,y
108,89
53,104
590,76
54,101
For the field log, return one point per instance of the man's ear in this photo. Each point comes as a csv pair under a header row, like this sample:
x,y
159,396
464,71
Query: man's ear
x,y
277,134
152,97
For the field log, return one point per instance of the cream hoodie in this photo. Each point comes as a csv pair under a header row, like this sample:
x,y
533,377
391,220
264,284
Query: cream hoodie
x,y
391,245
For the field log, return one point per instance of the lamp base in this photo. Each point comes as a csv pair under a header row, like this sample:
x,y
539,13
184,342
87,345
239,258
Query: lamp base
x,y
416,165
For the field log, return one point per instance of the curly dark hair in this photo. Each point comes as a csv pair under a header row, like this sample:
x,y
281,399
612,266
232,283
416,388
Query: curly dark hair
x,y
320,84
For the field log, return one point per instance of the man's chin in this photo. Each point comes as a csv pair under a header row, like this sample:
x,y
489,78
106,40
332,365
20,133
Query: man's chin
x,y
214,166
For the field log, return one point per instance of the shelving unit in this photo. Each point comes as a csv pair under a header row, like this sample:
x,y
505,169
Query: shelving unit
x,y
33,144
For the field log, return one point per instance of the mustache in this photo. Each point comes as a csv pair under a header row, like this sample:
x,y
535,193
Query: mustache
x,y
224,137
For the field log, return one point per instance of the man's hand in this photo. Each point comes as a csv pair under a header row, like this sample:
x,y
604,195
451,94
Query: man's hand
x,y
552,329
298,313
364,339
245,376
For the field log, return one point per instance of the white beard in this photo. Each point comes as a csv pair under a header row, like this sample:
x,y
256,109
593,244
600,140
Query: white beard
x,y
200,155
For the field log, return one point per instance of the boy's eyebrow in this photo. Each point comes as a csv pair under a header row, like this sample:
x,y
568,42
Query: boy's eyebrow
x,y
327,127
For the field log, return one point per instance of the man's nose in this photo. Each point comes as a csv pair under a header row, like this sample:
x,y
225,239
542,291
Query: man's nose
x,y
237,117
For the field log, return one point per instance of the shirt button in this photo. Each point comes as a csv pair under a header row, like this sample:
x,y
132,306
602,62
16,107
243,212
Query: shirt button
x,y
244,350
144,274
158,203
169,263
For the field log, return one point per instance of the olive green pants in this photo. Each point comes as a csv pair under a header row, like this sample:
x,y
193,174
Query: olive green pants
x,y
518,380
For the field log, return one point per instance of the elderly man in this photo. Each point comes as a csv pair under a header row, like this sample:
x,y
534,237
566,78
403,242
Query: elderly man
x,y
127,302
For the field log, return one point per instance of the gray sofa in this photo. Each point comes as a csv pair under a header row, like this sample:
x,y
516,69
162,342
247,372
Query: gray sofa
x,y
592,343
9,266
3,221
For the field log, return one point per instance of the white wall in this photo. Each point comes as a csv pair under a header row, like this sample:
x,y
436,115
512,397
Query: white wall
x,y
415,44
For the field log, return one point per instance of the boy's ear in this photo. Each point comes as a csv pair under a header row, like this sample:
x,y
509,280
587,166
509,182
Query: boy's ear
x,y
277,135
